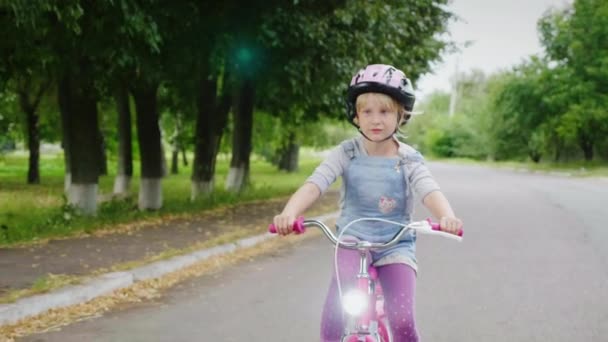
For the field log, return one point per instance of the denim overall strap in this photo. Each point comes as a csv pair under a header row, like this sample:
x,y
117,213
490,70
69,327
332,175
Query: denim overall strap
x,y
388,180
349,148
375,188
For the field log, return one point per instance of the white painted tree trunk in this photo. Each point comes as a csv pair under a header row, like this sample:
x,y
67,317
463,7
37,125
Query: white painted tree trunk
x,y
163,160
122,184
83,197
150,194
201,188
236,179
67,180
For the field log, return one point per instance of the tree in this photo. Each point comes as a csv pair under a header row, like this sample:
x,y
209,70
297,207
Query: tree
x,y
247,58
317,49
574,39
214,93
8,131
519,111
84,59
29,101
124,171
24,64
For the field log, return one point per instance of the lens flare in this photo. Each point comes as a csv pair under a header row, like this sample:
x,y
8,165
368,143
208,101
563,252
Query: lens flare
x,y
354,302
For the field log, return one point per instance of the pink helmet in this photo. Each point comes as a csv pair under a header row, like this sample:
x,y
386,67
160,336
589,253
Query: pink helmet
x,y
380,78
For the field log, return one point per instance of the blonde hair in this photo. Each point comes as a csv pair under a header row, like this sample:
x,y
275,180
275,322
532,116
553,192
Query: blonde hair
x,y
384,101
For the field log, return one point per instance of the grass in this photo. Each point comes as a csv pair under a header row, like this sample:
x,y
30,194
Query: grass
x,y
41,285
578,168
33,213
51,282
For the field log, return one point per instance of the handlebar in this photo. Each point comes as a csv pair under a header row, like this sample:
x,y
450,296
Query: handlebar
x,y
424,227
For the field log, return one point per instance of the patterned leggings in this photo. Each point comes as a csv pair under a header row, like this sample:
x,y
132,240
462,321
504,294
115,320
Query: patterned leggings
x,y
399,285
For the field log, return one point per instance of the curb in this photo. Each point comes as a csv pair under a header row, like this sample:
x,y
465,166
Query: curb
x,y
110,282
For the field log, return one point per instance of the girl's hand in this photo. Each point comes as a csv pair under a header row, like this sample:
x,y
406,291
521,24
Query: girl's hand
x,y
450,224
284,223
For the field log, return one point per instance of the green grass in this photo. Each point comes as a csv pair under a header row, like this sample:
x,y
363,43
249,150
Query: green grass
x,y
41,285
30,213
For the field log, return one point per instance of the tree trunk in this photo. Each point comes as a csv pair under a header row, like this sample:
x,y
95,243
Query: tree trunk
x,y
122,183
175,161
82,133
289,155
176,145
238,176
211,121
33,143
205,147
163,158
63,98
557,152
103,163
29,106
588,152
586,144
184,158
148,134
535,156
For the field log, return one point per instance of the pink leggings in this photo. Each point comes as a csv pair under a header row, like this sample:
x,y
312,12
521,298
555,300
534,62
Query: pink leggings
x,y
399,285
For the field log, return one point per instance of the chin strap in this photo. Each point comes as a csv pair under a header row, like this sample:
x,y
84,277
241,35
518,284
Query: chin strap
x,y
385,139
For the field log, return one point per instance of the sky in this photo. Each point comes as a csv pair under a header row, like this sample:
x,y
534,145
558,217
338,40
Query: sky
x,y
503,34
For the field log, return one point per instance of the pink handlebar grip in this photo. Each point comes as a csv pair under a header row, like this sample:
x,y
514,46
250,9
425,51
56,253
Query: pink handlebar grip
x,y
298,226
436,226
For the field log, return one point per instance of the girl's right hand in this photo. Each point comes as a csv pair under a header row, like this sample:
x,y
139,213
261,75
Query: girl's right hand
x,y
284,223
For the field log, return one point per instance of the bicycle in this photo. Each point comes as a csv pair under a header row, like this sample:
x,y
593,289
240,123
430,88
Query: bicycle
x,y
365,303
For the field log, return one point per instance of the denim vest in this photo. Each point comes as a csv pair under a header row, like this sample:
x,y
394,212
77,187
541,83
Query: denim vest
x,y
377,187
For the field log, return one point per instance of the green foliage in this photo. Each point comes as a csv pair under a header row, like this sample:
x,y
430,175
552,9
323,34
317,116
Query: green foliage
x,y
441,145
574,38
548,107
422,131
518,109
9,131
313,48
326,133
316,49
307,50
269,134
463,135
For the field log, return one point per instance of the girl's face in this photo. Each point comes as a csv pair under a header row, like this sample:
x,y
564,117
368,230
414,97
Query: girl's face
x,y
376,117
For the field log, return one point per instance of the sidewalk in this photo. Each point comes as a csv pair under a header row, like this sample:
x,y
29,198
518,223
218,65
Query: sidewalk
x,y
21,267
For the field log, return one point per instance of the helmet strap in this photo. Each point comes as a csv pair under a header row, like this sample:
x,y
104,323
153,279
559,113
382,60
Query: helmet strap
x,y
383,140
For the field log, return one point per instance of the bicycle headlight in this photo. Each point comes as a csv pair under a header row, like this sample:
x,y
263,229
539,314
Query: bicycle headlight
x,y
354,302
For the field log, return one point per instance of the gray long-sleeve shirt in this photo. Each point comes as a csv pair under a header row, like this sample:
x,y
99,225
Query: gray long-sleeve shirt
x,y
419,176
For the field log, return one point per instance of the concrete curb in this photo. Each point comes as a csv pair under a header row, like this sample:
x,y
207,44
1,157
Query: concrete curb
x,y
109,282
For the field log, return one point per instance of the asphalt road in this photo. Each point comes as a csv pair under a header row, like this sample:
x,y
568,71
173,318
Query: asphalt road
x,y
533,267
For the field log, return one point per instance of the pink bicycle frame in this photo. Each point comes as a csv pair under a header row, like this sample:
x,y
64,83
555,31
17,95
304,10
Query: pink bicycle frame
x,y
370,325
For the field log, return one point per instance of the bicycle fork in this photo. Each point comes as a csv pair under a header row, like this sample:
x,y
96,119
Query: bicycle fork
x,y
364,326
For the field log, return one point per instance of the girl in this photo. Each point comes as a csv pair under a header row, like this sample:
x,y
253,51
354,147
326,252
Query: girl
x,y
380,176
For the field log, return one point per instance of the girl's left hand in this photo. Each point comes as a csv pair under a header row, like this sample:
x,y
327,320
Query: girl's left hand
x,y
450,224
